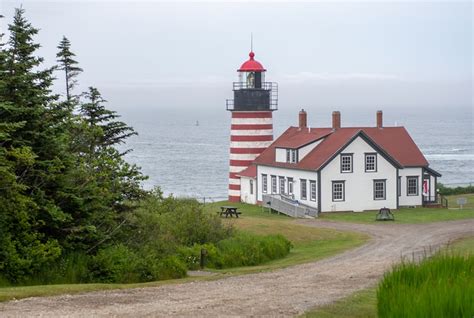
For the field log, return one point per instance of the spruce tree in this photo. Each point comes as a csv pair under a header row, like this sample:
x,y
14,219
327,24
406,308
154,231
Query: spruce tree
x,y
66,61
24,94
105,128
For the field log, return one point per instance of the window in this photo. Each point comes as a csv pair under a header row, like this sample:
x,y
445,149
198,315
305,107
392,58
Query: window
x,y
274,184
303,189
282,185
251,186
312,186
290,186
346,163
379,189
399,186
338,190
412,185
370,162
291,155
294,156
264,183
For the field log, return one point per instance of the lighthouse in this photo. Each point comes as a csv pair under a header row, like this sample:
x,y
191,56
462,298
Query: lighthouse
x,y
251,130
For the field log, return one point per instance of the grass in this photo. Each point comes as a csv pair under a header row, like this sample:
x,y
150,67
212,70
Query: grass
x,y
364,303
439,286
361,304
310,244
470,201
415,215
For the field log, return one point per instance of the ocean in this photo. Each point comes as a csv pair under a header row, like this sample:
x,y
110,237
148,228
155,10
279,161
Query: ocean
x,y
186,152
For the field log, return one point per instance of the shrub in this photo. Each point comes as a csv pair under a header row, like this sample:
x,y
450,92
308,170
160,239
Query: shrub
x,y
442,286
115,264
453,191
168,223
169,268
249,250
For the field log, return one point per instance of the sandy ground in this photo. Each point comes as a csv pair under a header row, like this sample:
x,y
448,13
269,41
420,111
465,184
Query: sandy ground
x,y
286,292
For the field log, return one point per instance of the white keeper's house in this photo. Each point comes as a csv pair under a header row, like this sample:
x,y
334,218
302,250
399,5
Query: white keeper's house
x,y
326,169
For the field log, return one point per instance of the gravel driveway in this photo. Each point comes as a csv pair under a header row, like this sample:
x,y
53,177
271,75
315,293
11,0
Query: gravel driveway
x,y
285,292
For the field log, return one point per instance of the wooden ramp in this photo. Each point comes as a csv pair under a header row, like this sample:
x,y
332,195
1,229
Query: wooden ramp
x,y
288,206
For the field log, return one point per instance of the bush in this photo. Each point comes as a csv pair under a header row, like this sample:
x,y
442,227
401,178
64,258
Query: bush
x,y
168,223
250,250
115,264
169,268
241,250
442,286
454,191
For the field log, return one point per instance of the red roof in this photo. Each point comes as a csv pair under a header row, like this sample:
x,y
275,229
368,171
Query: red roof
x,y
393,142
250,172
251,65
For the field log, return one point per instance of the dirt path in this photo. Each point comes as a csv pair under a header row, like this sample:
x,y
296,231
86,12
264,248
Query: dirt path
x,y
286,292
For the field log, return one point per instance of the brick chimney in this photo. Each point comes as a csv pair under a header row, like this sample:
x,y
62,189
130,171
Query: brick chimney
x,y
303,120
379,119
336,120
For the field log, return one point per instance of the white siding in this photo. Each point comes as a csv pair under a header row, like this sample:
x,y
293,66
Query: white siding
x,y
359,185
302,152
406,200
245,193
297,175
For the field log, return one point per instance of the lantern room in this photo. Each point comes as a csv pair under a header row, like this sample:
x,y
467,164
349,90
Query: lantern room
x,y
251,92
252,73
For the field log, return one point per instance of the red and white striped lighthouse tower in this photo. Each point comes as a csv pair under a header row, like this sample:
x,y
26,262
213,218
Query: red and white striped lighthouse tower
x,y
252,124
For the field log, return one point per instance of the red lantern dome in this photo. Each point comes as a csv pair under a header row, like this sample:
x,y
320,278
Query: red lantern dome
x,y
251,65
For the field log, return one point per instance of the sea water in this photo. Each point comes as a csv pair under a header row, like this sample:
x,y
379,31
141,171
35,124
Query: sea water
x,y
186,153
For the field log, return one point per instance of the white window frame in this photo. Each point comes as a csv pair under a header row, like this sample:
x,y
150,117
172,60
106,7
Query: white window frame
x,y
294,156
264,183
417,190
290,186
303,189
344,164
374,163
288,155
342,191
274,184
312,190
383,189
281,185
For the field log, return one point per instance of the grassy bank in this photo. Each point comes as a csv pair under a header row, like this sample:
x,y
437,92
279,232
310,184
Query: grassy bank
x,y
364,303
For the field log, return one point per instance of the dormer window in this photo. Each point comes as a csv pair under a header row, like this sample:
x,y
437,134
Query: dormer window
x,y
291,155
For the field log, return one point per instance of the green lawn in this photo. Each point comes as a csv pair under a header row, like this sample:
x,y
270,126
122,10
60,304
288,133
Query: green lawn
x,y
415,215
364,303
310,244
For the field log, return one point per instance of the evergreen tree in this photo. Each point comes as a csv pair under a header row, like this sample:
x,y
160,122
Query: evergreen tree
x,y
24,247
104,128
68,65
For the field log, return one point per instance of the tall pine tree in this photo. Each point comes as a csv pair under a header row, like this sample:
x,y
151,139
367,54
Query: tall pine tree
x,y
66,61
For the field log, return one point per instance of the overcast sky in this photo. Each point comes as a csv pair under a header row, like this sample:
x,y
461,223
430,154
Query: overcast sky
x,y
341,54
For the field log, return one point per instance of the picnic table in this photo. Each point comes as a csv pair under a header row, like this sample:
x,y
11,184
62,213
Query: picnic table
x,y
229,211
